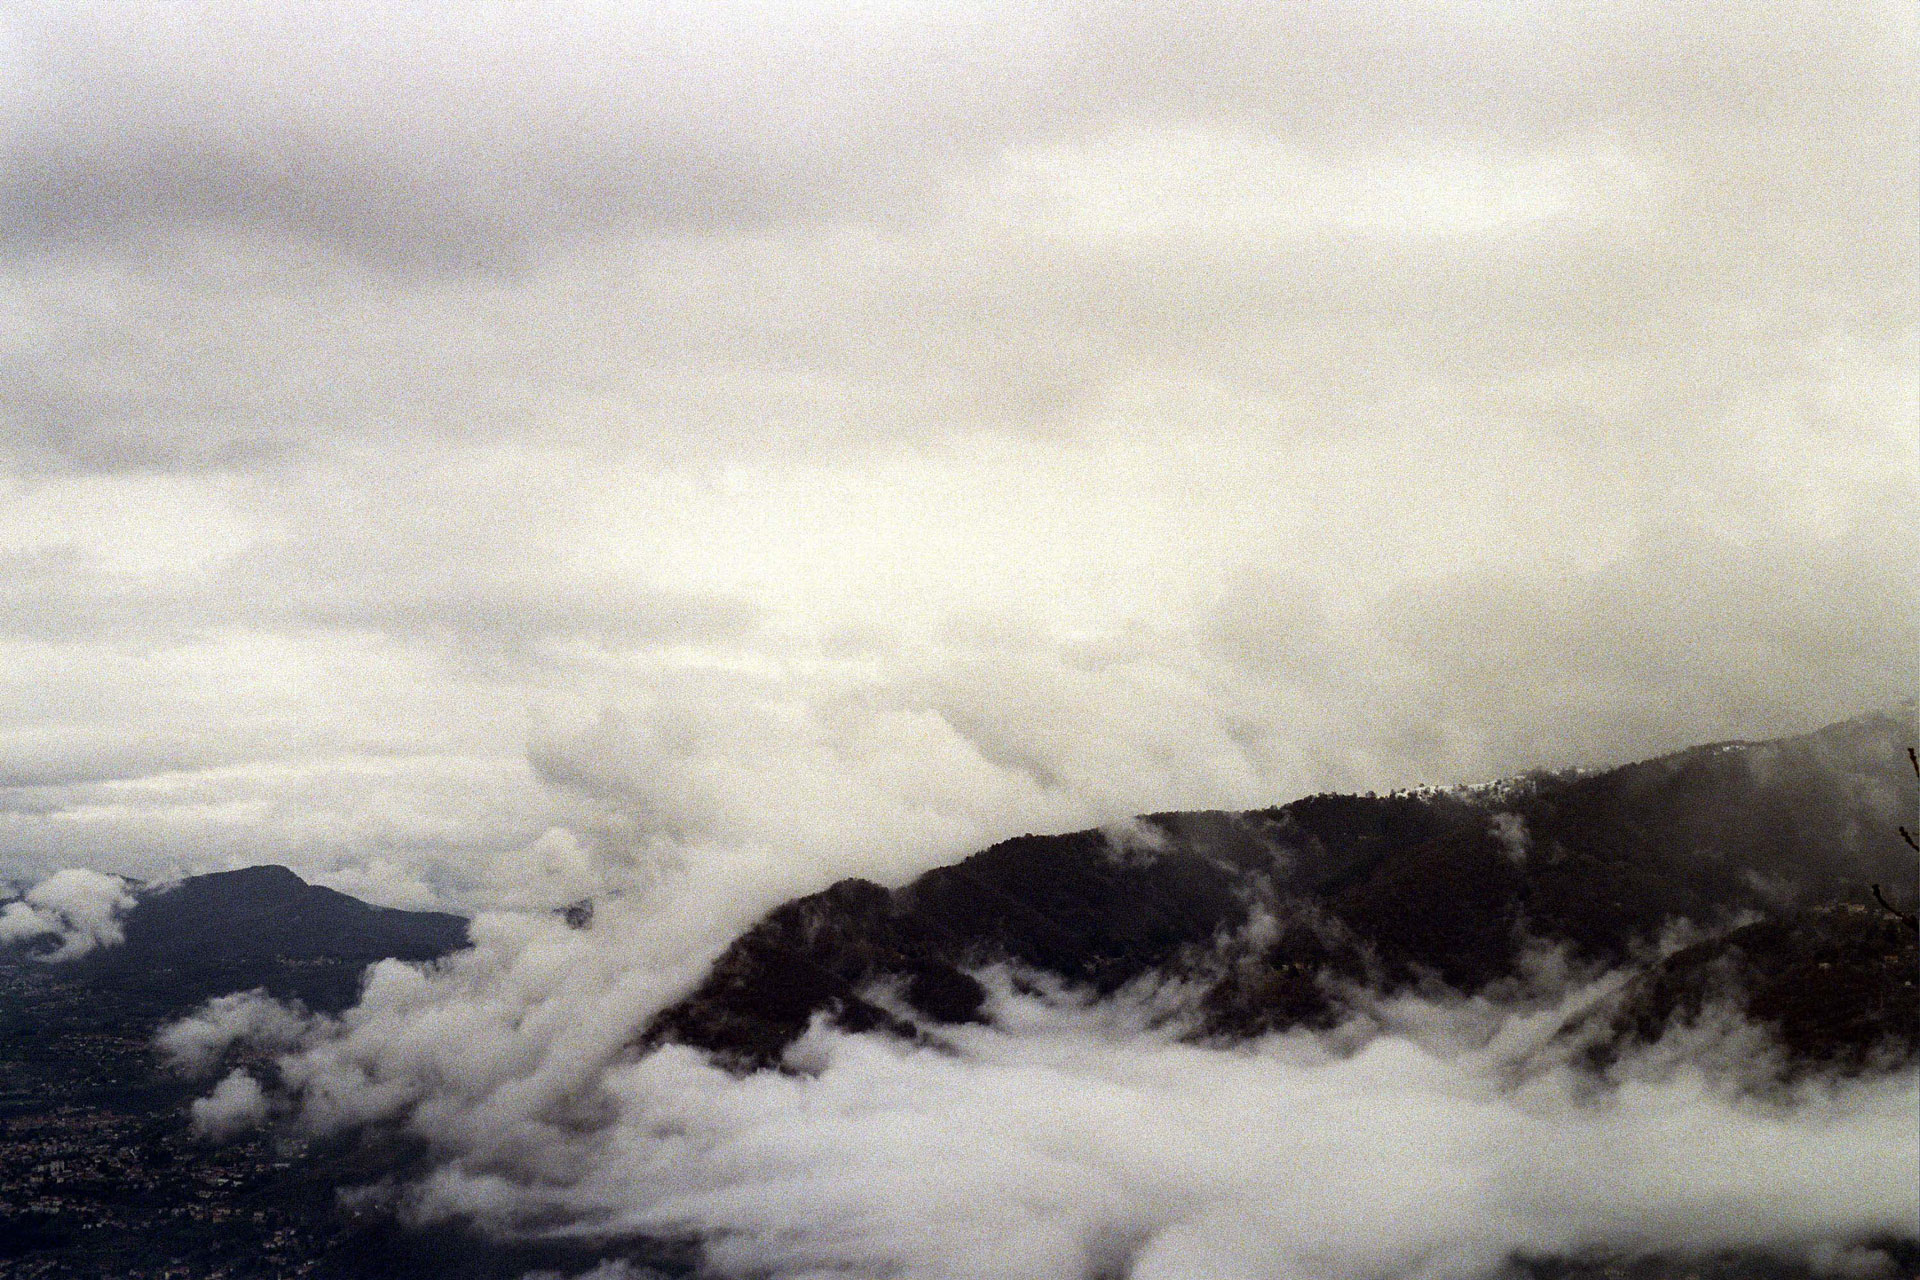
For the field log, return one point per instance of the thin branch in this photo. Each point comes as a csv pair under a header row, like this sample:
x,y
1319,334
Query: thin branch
x,y
1912,922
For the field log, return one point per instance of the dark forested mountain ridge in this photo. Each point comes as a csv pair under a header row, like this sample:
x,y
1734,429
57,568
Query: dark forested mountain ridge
x,y
269,910
256,927
1767,849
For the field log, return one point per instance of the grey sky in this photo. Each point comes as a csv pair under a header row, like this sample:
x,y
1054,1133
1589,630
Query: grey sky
x,y
463,453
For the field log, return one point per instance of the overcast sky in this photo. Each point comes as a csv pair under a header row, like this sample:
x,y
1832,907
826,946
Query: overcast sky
x,y
488,453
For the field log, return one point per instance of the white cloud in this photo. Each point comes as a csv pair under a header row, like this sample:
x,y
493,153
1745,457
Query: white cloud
x,y
194,1045
78,907
236,1104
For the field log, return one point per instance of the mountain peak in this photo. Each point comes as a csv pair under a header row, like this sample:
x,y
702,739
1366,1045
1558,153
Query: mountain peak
x,y
255,926
263,875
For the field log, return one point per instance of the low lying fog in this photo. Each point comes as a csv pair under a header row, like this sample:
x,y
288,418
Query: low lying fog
x,y
1067,1139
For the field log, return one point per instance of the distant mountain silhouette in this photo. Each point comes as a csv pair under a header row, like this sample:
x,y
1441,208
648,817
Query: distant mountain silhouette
x,y
1274,910
261,927
270,911
100,1173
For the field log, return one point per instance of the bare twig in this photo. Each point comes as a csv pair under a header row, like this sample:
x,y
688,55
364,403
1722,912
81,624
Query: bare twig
x,y
1913,758
1912,922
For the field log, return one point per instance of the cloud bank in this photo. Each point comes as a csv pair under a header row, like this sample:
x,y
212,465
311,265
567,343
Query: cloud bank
x,y
1069,1138
426,435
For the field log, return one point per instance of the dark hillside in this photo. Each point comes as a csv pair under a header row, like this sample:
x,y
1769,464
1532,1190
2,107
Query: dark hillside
x,y
1733,826
99,1172
1444,887
1835,985
261,927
